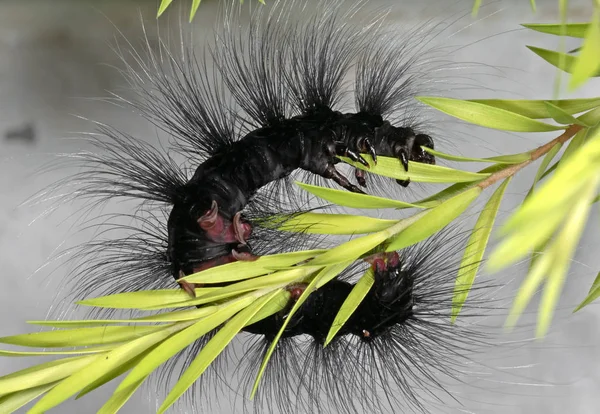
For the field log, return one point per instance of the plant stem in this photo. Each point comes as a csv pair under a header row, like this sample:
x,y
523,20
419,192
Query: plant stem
x,y
535,154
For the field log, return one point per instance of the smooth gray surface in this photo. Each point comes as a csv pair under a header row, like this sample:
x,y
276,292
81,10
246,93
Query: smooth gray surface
x,y
55,59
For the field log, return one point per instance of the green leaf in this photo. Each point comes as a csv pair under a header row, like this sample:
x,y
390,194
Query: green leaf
x,y
587,63
566,242
101,365
180,340
475,249
503,159
354,299
195,5
563,117
434,219
82,351
349,250
213,348
417,171
244,270
562,61
319,223
12,402
174,316
327,274
537,109
80,336
571,29
354,200
43,374
487,116
534,279
593,294
476,6
118,399
163,6
142,299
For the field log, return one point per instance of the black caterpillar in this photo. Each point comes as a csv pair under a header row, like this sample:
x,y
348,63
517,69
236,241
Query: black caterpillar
x,y
286,79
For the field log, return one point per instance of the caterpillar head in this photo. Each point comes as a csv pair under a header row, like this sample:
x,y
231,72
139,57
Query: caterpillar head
x,y
388,303
202,234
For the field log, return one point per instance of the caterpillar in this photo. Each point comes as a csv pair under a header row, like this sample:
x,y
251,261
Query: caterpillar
x,y
289,97
260,107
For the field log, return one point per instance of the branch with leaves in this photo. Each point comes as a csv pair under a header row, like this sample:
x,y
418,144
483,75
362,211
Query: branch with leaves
x,y
547,228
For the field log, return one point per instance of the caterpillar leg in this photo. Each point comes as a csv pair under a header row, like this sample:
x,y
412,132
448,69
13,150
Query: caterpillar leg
x,y
336,176
341,149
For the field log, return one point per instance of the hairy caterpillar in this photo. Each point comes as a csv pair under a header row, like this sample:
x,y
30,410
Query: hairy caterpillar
x,y
242,153
287,79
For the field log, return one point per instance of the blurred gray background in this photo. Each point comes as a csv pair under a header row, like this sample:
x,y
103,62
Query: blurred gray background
x,y
56,59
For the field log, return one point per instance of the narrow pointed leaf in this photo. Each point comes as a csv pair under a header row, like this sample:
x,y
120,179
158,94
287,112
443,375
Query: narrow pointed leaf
x,y
80,336
562,61
571,29
82,351
174,316
195,5
434,220
352,302
417,171
140,300
163,6
587,63
354,200
528,288
319,223
350,250
475,249
487,116
567,241
537,109
593,294
563,117
118,399
503,159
